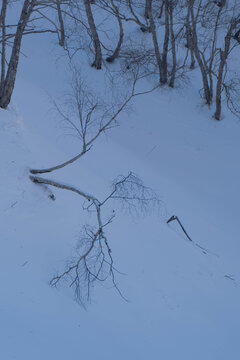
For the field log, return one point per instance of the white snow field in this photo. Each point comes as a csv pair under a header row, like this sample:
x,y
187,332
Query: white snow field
x,y
184,304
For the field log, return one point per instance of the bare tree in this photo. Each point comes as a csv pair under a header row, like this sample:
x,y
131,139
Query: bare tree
x,y
3,43
134,17
223,54
32,15
189,42
8,81
61,24
94,118
216,24
155,40
116,52
161,57
173,43
94,261
96,42
164,73
195,43
76,26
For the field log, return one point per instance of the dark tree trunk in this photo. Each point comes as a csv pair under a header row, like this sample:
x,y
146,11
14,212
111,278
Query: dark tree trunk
x,y
206,88
173,46
164,65
96,42
119,44
223,59
61,24
3,47
154,38
9,81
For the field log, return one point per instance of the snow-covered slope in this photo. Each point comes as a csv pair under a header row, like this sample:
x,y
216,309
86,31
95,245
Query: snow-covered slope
x,y
183,303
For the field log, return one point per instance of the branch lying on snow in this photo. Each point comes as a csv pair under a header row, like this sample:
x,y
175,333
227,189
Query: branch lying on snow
x,y
94,261
179,222
89,113
172,218
40,180
90,118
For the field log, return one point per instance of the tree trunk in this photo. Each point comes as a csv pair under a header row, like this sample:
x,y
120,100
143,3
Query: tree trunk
x,y
3,47
146,15
223,60
61,24
154,38
173,46
219,88
96,42
164,64
119,44
189,43
207,93
9,81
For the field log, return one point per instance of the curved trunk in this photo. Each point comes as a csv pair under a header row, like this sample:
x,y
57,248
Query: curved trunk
x,y
119,44
9,81
206,88
96,42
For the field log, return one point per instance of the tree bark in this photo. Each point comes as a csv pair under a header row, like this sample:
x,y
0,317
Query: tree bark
x,y
9,81
119,44
96,42
146,8
223,59
164,64
189,44
61,24
154,38
173,46
207,93
3,47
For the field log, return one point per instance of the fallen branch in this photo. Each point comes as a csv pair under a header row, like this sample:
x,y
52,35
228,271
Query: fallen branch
x,y
94,261
172,218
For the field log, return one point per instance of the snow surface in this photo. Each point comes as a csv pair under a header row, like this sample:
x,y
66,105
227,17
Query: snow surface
x,y
183,304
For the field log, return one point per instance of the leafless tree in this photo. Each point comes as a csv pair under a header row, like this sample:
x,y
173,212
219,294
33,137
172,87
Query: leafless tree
x,y
170,7
215,23
8,80
229,44
188,35
231,89
134,17
94,261
32,14
77,27
165,45
96,42
195,8
113,9
94,117
149,11
61,31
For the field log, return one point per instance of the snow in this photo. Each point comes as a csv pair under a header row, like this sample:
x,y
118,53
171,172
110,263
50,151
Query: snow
x,y
183,304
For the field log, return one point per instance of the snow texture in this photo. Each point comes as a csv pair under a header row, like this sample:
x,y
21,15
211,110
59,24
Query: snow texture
x,y
183,303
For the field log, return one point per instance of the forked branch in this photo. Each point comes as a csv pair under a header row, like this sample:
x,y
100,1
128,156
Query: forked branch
x,y
94,261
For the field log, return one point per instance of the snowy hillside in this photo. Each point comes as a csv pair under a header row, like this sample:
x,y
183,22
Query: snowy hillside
x,y
182,303
182,296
